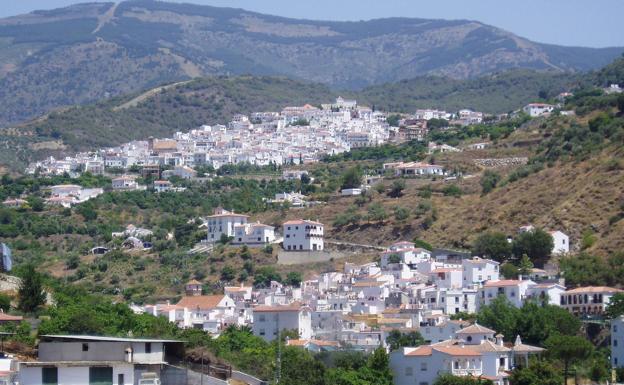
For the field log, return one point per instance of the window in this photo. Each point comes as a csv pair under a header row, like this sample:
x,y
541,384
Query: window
x,y
262,332
614,328
469,338
409,371
501,362
423,366
85,347
49,376
615,342
120,379
261,318
148,347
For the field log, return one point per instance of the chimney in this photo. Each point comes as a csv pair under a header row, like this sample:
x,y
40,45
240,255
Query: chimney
x,y
499,339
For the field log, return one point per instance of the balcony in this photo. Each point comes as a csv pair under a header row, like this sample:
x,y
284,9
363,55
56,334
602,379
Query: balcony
x,y
466,372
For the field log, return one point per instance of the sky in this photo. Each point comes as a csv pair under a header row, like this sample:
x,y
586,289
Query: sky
x,y
590,23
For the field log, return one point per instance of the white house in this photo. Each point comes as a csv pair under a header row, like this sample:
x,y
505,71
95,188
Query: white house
x,y
561,242
476,270
538,109
514,290
303,235
223,222
65,359
588,300
125,182
549,292
404,252
183,172
253,234
208,312
474,351
162,185
617,342
269,321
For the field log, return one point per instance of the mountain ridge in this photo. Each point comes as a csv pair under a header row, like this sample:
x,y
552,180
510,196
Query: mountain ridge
x,y
88,52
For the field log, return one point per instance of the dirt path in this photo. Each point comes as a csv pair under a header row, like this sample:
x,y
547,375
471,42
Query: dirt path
x,y
105,18
146,95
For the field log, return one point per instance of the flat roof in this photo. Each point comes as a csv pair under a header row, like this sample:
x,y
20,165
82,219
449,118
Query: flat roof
x,y
105,338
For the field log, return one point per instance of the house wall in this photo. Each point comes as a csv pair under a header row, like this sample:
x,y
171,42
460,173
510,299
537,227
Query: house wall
x,y
617,342
297,237
99,351
265,324
73,375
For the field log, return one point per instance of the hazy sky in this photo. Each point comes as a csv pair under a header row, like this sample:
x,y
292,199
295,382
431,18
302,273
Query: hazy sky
x,y
594,23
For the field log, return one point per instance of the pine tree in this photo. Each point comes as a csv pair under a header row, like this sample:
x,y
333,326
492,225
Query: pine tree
x,y
31,294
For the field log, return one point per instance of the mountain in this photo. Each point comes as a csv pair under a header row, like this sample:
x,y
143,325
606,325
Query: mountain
x,y
89,52
181,106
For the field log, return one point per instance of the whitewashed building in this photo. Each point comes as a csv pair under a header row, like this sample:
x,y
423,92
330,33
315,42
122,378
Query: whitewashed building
x,y
253,234
223,222
269,321
303,235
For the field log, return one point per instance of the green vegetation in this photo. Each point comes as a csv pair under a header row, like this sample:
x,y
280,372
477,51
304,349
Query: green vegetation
x,y
492,245
536,244
449,379
489,180
586,269
396,339
535,322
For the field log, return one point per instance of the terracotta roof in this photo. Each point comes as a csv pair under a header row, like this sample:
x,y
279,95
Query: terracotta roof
x,y
421,351
368,284
325,343
475,328
489,346
458,351
297,342
594,289
193,282
445,270
201,301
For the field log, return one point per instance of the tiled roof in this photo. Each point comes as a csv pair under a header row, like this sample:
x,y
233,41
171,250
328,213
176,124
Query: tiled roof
x,y
295,306
594,289
201,301
501,283
475,328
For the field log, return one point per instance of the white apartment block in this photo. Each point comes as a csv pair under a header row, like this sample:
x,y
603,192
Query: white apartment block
x,y
405,252
223,222
477,270
515,291
588,300
269,321
303,235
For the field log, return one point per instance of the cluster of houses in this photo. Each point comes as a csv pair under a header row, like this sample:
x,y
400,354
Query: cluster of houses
x,y
295,135
408,290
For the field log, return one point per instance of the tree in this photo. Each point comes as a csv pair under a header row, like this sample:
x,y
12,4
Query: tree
x,y
397,340
492,245
377,213
300,367
620,103
5,302
228,273
536,244
568,350
500,315
423,244
525,267
538,373
489,180
401,213
31,294
293,278
393,120
616,306
396,189
452,190
352,178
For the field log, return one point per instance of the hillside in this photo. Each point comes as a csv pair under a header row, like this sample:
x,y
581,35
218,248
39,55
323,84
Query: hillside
x,y
182,106
88,52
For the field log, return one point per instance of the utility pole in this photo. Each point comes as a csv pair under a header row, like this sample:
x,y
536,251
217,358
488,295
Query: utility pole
x,y
278,367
